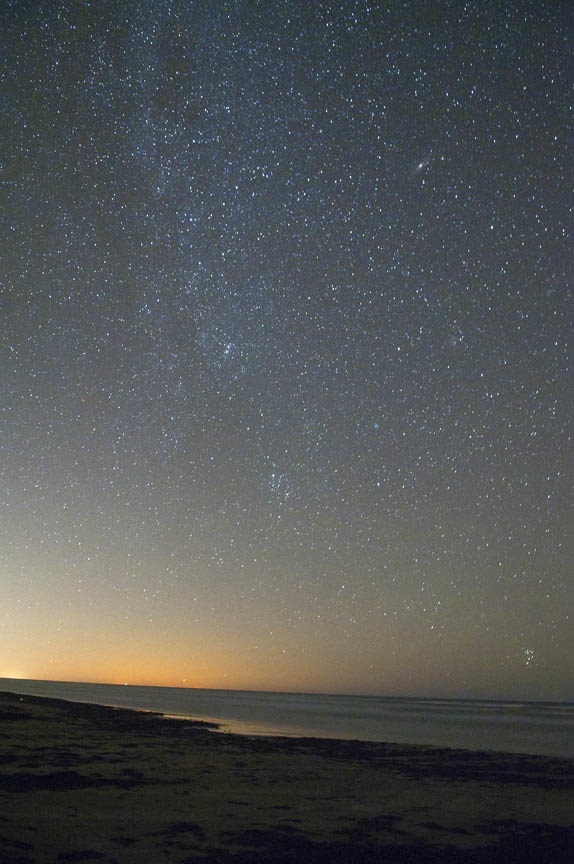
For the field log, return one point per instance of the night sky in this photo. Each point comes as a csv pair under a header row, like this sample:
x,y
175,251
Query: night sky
x,y
285,310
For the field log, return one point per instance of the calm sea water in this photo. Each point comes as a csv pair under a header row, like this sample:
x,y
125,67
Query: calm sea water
x,y
515,727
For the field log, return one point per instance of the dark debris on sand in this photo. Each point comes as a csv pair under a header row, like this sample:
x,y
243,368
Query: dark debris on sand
x,y
536,844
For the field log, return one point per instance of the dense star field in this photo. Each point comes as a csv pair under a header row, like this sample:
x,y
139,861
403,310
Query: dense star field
x,y
285,399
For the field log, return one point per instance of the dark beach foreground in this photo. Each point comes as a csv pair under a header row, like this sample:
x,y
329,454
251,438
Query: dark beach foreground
x,y
82,783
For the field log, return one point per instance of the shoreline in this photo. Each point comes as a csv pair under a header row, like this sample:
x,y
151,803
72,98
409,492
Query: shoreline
x,y
82,782
543,728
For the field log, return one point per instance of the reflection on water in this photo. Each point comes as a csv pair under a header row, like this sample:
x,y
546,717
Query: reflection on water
x,y
519,727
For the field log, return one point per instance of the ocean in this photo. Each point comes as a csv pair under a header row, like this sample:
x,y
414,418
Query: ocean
x,y
545,728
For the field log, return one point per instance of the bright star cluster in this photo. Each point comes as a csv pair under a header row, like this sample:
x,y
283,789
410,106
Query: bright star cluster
x,y
286,320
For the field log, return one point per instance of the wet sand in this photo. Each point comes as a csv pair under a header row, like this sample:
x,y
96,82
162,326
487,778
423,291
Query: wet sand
x,y
82,783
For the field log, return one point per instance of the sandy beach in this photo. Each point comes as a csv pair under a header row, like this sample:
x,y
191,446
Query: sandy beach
x,y
86,783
